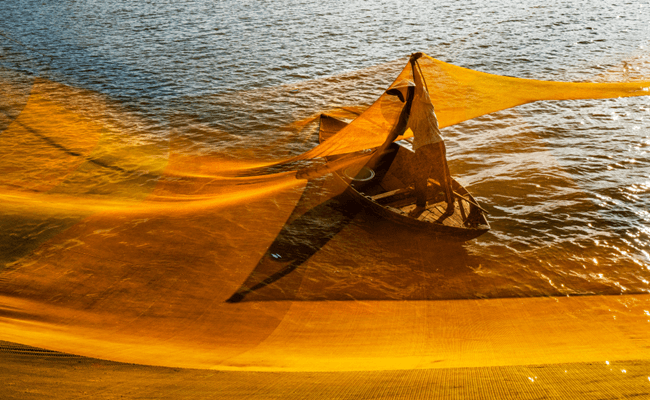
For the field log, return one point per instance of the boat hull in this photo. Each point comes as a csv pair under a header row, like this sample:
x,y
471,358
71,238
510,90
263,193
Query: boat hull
x,y
439,231
387,191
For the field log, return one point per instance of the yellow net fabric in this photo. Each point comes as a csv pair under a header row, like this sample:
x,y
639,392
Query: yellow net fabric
x,y
459,94
121,245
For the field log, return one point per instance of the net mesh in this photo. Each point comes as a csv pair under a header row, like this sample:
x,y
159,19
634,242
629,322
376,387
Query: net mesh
x,y
459,94
121,244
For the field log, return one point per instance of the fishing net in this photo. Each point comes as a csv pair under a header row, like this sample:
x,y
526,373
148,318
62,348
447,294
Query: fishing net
x,y
120,243
459,94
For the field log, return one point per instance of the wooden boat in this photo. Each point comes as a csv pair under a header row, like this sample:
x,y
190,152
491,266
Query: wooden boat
x,y
388,192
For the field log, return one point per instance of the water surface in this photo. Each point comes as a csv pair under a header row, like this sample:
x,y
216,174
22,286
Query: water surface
x,y
567,184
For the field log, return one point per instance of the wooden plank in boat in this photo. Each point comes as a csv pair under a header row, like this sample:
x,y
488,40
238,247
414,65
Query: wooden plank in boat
x,y
401,203
392,196
435,211
406,197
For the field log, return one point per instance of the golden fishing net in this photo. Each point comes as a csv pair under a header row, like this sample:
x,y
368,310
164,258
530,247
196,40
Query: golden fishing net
x,y
459,94
119,243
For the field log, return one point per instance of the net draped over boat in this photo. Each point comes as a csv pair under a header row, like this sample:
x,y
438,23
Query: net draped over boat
x,y
460,94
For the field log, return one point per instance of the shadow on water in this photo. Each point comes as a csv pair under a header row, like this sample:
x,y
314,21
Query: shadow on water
x,y
307,230
332,250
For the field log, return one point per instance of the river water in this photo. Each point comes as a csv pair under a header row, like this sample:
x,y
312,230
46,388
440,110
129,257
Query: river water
x,y
567,184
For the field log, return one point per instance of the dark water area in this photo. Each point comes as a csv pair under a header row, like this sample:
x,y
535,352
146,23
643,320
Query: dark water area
x,y
567,183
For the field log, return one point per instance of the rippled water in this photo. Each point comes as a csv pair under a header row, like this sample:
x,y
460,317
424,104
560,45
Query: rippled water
x,y
567,184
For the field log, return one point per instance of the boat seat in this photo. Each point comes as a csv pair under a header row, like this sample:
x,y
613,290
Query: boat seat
x,y
392,196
